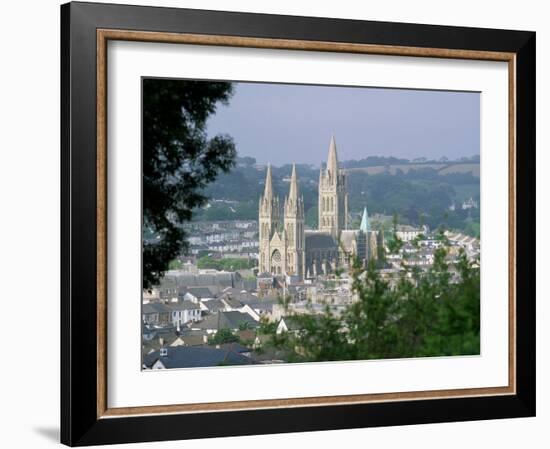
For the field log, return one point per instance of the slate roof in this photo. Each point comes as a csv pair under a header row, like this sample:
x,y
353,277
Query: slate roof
x,y
262,304
200,292
147,309
196,356
226,320
154,345
214,305
318,240
234,303
193,339
184,305
247,296
200,279
292,324
154,307
231,291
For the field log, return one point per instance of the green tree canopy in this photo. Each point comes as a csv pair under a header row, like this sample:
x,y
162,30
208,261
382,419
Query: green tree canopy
x,y
432,313
179,161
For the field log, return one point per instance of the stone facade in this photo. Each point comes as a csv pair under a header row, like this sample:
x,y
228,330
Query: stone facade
x,y
286,248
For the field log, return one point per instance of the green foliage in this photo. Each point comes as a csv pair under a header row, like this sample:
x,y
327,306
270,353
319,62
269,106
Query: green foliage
x,y
223,336
245,325
419,196
473,229
424,314
175,265
394,243
179,161
229,264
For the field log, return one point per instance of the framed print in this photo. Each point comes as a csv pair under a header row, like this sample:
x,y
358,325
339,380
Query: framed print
x,y
280,224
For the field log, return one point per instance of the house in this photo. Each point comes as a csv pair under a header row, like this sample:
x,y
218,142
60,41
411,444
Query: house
x,y
185,311
189,337
212,305
250,311
161,340
197,294
291,324
287,324
261,307
149,314
231,303
407,233
265,283
193,357
231,320
156,313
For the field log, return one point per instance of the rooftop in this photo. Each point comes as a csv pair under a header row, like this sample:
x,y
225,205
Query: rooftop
x,y
196,356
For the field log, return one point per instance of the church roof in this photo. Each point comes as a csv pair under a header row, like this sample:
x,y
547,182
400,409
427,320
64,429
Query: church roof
x,y
320,240
347,237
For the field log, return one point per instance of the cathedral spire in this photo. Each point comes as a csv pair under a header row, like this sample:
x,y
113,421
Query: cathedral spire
x,y
293,193
332,161
268,189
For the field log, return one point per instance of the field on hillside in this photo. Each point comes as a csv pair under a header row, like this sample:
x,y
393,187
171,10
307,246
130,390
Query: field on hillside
x,y
442,169
461,168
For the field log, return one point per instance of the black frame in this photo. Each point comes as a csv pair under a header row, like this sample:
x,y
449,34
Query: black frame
x,y
79,422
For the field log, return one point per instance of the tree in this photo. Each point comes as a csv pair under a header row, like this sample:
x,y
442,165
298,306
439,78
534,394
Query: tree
x,y
179,161
223,336
429,313
395,243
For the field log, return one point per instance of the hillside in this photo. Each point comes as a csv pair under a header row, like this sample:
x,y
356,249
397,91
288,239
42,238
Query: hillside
x,y
418,193
442,169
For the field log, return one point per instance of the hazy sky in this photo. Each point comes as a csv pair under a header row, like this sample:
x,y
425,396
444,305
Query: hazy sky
x,y
281,123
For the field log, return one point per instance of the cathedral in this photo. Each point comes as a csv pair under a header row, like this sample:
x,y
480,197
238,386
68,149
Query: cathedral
x,y
287,248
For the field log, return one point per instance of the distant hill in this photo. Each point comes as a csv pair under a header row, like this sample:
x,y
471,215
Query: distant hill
x,y
442,169
430,192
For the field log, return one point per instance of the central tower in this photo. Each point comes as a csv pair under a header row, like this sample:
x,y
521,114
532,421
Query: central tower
x,y
333,197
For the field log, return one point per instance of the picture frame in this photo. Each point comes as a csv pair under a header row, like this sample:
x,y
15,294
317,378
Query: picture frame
x,y
86,28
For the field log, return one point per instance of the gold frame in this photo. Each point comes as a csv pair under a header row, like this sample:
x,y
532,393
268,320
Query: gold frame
x,y
103,36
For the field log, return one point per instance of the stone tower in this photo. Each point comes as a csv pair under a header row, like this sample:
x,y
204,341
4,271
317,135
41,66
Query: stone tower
x,y
333,197
294,229
268,221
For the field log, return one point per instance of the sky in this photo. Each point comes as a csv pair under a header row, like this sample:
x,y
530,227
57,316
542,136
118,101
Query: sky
x,y
284,123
